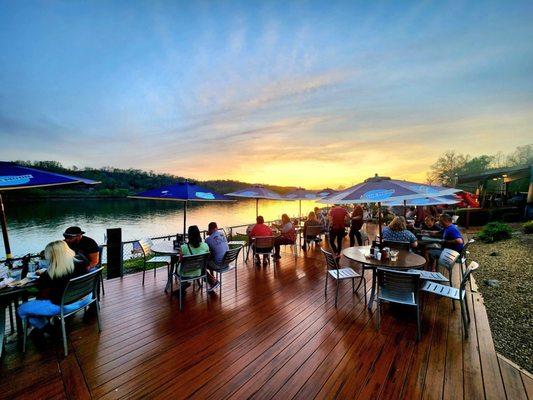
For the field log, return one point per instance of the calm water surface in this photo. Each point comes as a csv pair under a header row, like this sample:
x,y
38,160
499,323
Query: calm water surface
x,y
33,225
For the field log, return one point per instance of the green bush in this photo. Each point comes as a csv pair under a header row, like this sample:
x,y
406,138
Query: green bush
x,y
494,232
528,227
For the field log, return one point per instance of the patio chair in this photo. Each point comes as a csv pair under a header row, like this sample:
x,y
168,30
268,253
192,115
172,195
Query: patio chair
x,y
98,266
455,294
341,273
399,287
455,218
187,265
312,234
144,247
229,262
464,255
397,245
263,245
75,298
447,260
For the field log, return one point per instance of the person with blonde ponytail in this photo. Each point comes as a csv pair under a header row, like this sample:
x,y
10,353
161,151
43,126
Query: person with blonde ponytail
x,y
64,264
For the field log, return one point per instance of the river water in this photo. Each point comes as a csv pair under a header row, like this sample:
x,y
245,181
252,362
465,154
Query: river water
x,y
34,224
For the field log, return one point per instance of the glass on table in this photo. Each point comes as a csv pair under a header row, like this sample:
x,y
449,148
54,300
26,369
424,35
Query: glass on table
x,y
394,254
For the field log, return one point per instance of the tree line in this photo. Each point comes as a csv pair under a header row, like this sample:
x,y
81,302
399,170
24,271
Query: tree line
x,y
116,182
452,163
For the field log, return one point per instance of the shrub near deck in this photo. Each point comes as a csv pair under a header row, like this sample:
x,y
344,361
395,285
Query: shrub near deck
x,y
509,303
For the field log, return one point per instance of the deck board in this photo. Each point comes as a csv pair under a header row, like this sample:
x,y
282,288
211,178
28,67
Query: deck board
x,y
276,337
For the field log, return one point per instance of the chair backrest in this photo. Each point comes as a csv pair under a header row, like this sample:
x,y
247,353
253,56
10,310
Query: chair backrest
x,y
81,286
264,242
397,245
448,258
331,262
193,263
399,283
455,218
313,230
231,255
100,255
465,247
146,246
471,268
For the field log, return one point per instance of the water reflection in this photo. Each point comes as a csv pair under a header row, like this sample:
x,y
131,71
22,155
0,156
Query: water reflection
x,y
33,225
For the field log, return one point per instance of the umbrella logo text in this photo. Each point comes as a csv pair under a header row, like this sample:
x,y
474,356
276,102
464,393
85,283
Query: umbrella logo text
x,y
14,180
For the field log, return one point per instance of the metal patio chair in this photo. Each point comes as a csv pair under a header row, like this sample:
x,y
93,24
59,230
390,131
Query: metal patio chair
x,y
393,244
400,287
75,298
455,294
341,273
263,245
464,255
145,249
195,263
229,262
312,235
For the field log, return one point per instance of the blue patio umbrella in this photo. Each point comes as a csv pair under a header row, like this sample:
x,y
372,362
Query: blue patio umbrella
x,y
14,176
302,194
380,189
256,192
184,192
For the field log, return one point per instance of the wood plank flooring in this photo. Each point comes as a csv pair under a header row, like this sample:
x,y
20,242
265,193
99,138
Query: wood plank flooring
x,y
276,337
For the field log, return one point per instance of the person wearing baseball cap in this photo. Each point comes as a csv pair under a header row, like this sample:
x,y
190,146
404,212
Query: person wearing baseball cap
x,y
83,245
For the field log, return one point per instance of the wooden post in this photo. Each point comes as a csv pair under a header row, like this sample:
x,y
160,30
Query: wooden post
x,y
115,264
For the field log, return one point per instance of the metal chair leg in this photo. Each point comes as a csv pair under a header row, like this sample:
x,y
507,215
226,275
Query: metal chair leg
x,y
64,332
235,275
466,307
25,334
418,326
144,270
463,316
326,289
11,320
181,296
98,316
378,314
336,292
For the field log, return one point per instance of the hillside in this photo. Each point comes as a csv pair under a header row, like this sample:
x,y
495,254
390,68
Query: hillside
x,y
116,182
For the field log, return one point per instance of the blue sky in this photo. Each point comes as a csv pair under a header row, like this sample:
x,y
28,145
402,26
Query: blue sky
x,y
309,93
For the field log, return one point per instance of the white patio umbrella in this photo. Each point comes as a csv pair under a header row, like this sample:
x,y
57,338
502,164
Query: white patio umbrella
x,y
256,192
301,194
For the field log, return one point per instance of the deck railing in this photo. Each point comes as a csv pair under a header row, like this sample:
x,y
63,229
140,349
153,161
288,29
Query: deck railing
x,y
128,245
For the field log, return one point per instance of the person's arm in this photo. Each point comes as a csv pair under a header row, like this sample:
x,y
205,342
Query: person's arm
x,y
93,259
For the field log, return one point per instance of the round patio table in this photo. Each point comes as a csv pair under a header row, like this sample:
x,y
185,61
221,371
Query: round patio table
x,y
405,260
167,248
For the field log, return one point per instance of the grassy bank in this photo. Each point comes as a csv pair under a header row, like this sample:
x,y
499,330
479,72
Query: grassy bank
x,y
505,279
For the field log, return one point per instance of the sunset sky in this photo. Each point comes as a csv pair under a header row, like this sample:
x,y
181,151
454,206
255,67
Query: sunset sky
x,y
292,93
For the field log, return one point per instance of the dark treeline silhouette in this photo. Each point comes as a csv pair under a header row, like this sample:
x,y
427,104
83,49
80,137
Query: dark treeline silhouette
x,y
116,182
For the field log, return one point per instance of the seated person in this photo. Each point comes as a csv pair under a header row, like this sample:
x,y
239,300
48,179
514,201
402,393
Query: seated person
x,y
195,246
259,230
397,232
83,245
451,236
287,235
411,213
430,224
218,245
320,217
63,264
311,221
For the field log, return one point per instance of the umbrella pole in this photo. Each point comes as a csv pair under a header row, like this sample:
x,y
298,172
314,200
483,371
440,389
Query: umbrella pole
x,y
300,211
4,230
184,219
256,208
379,220
405,208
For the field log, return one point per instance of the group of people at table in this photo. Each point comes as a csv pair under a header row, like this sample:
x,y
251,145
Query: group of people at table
x,y
425,224
422,221
77,255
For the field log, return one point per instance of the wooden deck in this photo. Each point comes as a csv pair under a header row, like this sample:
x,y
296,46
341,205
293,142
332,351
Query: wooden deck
x,y
277,336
